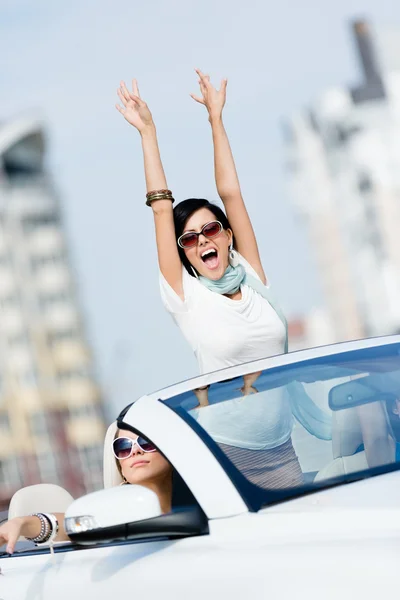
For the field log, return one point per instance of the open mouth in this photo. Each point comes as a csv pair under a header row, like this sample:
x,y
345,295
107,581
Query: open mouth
x,y
210,258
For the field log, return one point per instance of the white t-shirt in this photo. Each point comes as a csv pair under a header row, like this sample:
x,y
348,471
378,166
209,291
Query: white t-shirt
x,y
224,332
257,422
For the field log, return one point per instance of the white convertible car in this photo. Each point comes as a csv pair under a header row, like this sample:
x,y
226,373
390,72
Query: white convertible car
x,y
236,531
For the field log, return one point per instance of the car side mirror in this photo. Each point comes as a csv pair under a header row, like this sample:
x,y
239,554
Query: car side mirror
x,y
128,512
103,515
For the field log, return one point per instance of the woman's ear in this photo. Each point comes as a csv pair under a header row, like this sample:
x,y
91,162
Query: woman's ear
x,y
229,233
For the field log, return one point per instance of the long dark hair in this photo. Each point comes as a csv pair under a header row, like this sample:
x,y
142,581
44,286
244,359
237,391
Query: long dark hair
x,y
184,210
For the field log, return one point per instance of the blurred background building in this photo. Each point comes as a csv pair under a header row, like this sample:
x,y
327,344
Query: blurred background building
x,y
343,172
311,330
51,412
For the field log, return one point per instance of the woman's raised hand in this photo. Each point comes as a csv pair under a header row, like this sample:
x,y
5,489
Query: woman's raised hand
x,y
211,98
133,108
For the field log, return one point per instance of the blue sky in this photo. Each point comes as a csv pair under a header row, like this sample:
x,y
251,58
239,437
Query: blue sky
x,y
66,59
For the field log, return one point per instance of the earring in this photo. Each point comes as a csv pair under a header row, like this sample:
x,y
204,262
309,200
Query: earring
x,y
233,257
195,273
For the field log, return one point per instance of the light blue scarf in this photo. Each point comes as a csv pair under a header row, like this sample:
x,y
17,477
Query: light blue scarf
x,y
313,419
229,283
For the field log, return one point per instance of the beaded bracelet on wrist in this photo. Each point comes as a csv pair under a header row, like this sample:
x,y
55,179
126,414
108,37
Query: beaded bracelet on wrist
x,y
53,526
45,530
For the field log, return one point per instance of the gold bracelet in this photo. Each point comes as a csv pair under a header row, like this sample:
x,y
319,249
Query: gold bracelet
x,y
158,195
158,192
152,199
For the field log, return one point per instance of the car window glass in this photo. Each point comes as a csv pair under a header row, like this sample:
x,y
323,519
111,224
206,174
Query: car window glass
x,y
304,423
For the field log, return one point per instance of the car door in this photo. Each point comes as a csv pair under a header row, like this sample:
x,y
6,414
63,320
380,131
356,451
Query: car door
x,y
155,568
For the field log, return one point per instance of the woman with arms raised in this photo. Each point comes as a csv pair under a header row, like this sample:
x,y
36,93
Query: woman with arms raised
x,y
213,283
212,279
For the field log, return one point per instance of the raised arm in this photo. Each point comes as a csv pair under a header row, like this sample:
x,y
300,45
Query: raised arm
x,y
226,176
137,113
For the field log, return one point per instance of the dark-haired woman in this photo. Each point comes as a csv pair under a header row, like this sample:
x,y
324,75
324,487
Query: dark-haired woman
x,y
208,259
212,280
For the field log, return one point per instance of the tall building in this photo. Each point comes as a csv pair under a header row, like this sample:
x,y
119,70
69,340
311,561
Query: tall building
x,y
51,412
343,173
310,330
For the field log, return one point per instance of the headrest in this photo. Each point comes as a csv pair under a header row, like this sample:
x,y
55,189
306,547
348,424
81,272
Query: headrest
x,y
42,497
111,475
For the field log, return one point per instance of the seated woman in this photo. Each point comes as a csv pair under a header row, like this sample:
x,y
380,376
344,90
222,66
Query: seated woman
x,y
138,461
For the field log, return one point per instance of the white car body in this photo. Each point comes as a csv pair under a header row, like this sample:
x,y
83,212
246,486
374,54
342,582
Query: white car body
x,y
341,542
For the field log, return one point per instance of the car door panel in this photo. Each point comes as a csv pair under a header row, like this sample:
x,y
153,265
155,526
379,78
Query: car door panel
x,y
267,555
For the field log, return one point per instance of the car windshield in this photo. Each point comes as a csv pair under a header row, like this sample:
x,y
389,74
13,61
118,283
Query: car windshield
x,y
303,425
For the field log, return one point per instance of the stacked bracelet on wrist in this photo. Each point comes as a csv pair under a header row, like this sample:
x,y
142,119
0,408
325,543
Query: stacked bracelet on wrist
x,y
48,528
53,526
159,195
45,530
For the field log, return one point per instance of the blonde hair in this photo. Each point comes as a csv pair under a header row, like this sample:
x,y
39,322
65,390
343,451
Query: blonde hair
x,y
116,459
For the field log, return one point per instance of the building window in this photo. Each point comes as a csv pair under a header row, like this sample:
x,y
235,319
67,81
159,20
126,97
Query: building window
x,y
84,411
73,374
9,301
62,335
91,460
364,184
47,467
10,475
39,424
4,422
28,378
18,340
51,300
39,262
35,222
5,260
